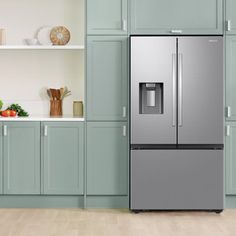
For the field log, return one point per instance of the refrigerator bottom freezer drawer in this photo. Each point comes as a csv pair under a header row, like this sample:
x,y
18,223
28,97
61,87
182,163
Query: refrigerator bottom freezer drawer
x,y
177,180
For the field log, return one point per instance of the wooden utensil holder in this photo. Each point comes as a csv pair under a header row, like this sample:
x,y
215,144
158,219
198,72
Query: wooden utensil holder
x,y
56,108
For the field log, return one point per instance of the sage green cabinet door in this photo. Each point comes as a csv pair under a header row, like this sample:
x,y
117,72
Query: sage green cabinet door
x,y
176,16
107,17
230,153
230,24
21,148
62,156
231,77
1,152
107,158
107,78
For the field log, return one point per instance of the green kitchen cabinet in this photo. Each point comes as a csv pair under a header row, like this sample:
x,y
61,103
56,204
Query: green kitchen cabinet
x,y
21,157
176,16
62,158
230,78
107,158
107,17
1,168
107,78
230,23
230,154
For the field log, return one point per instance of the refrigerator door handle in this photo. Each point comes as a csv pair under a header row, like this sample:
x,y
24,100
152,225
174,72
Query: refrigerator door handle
x,y
174,89
180,89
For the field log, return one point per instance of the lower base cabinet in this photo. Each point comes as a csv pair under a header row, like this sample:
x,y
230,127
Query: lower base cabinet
x,y
21,157
62,158
230,154
1,169
107,158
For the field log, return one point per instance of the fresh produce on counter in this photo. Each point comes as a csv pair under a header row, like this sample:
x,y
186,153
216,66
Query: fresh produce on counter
x,y
8,113
18,109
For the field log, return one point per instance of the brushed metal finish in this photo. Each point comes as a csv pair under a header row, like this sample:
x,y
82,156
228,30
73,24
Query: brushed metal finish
x,y
151,62
174,106
180,90
202,89
177,179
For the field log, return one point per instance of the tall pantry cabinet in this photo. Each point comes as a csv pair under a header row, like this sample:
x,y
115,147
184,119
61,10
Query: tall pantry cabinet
x,y
107,103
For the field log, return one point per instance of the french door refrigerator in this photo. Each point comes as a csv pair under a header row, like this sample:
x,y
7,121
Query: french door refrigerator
x,y
176,160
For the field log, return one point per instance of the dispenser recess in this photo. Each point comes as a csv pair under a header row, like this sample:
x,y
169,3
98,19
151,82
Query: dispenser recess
x,y
151,98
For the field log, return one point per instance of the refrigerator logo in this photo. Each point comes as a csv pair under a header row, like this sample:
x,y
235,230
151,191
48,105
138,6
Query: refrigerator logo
x,y
213,41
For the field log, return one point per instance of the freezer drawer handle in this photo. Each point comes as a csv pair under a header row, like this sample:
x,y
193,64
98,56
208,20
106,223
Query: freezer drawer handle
x,y
180,90
4,130
227,130
174,89
228,25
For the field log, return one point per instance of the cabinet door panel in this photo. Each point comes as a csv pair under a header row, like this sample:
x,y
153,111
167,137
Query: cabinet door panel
x,y
107,78
230,76
21,158
107,159
230,152
186,16
107,17
62,150
1,152
230,16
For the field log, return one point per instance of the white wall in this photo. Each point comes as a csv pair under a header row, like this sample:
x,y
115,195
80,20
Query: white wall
x,y
25,75
23,18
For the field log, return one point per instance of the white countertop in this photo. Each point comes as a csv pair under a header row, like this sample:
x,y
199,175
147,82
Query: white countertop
x,y
42,118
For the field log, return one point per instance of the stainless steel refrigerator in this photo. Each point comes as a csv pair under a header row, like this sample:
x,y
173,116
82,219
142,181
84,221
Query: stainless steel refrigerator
x,y
177,111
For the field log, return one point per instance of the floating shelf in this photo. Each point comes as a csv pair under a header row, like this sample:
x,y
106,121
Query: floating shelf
x,y
41,47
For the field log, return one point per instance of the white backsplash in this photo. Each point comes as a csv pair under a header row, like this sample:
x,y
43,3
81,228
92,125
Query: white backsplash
x,y
25,76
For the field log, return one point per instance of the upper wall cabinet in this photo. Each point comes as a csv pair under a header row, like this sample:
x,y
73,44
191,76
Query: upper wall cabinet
x,y
230,17
107,78
230,78
177,16
107,17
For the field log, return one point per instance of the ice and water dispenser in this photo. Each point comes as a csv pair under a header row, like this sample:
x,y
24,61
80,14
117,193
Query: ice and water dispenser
x,y
151,98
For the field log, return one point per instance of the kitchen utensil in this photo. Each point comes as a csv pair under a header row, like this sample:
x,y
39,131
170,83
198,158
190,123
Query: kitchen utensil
x,y
49,94
56,108
61,92
60,35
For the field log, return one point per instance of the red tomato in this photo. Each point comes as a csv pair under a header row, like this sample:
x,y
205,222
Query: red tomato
x,y
12,113
6,113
